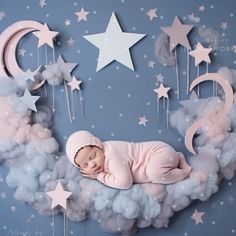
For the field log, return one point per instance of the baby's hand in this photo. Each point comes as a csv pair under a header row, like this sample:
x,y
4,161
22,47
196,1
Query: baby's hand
x,y
91,176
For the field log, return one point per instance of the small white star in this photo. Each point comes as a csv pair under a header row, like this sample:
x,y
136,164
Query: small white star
x,y
201,8
42,3
74,84
159,78
151,64
70,41
143,120
67,22
224,25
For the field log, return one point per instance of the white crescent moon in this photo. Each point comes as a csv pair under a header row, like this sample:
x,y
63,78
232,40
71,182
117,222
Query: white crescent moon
x,y
229,98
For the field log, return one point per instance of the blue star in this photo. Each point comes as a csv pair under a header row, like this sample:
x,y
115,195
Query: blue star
x,y
29,100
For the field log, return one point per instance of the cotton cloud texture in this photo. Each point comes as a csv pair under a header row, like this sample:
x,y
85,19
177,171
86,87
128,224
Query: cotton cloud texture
x,y
31,153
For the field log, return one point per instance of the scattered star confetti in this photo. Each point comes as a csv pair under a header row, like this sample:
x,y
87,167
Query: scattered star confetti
x,y
70,41
201,8
159,77
152,14
67,22
197,217
143,120
82,15
42,3
224,25
193,18
2,15
151,64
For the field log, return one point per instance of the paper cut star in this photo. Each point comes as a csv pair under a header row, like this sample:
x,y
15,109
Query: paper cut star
x,y
151,64
152,13
59,196
74,84
65,68
114,44
142,120
162,91
45,36
82,15
29,100
29,75
178,34
197,217
201,54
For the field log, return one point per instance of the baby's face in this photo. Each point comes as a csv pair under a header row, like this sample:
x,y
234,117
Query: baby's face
x,y
90,159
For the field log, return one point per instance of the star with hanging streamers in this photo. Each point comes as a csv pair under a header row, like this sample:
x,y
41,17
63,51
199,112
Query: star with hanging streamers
x,y
152,14
143,120
74,84
45,36
162,91
59,196
29,100
114,44
82,15
178,34
201,54
197,217
65,68
29,75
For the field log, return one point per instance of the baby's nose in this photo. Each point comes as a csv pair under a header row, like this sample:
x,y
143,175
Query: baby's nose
x,y
92,163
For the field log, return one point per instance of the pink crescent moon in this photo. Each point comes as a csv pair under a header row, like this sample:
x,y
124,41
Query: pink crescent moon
x,y
229,98
10,57
9,40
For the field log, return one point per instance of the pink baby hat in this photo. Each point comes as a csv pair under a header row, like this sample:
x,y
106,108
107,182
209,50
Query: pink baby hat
x,y
78,140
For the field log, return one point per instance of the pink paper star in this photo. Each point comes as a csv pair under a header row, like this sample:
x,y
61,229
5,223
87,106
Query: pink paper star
x,y
162,91
152,13
59,196
142,120
178,34
74,84
45,36
82,15
197,217
201,54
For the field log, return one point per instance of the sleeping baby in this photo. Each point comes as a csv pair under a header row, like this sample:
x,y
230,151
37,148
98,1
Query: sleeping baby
x,y
119,164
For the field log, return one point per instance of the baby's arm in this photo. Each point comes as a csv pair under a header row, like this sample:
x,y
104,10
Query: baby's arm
x,y
119,177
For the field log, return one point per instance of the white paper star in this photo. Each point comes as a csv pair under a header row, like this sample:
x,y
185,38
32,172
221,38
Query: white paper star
x,y
74,84
29,75
162,91
59,196
29,100
201,54
114,44
45,36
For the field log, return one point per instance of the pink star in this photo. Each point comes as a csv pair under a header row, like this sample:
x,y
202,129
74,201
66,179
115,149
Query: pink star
x,y
82,15
59,196
162,91
152,13
45,36
178,34
142,120
74,84
197,217
201,54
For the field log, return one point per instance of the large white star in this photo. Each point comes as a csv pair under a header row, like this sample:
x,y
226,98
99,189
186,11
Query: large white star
x,y
29,100
114,44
